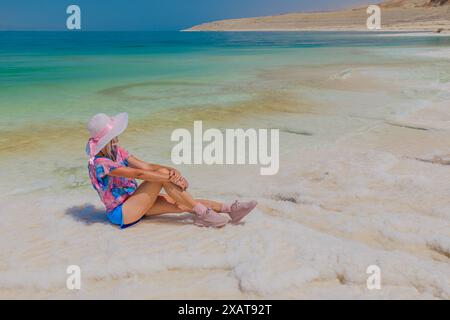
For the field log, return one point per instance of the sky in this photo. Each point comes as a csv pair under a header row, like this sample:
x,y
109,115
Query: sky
x,y
155,15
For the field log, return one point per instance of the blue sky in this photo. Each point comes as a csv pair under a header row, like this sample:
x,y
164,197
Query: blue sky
x,y
147,14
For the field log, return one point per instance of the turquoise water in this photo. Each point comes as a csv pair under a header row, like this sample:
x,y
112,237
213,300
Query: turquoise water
x,y
64,76
348,186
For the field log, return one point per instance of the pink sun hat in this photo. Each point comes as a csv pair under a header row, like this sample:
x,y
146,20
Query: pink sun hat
x,y
102,129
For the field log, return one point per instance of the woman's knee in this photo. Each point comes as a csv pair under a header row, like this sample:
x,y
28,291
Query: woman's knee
x,y
168,185
150,188
145,195
163,171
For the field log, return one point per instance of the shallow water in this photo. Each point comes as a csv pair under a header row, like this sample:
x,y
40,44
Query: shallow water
x,y
363,178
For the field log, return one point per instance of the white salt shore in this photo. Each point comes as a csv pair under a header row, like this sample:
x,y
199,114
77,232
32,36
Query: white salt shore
x,y
359,185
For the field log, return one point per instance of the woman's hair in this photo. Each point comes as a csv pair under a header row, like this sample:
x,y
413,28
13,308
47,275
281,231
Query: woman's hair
x,y
110,151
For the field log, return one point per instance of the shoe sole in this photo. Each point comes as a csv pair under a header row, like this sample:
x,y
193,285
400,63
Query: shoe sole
x,y
202,223
237,221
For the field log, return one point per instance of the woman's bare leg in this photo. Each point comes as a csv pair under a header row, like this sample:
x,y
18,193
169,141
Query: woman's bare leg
x,y
216,206
184,198
180,196
147,201
162,206
141,201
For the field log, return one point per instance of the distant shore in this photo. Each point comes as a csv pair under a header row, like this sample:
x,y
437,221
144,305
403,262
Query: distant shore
x,y
396,16
418,33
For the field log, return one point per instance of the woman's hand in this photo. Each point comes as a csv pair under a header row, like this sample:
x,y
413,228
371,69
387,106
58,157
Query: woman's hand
x,y
174,173
155,172
182,183
176,178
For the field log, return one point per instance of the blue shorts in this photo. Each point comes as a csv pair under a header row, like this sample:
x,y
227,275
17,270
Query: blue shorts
x,y
116,217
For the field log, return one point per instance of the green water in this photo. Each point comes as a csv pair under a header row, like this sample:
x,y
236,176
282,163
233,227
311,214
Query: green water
x,y
48,77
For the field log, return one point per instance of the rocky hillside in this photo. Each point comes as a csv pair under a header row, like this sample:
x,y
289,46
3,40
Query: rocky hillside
x,y
397,15
414,3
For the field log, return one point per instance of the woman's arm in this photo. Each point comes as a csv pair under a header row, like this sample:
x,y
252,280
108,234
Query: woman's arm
x,y
174,175
139,164
146,175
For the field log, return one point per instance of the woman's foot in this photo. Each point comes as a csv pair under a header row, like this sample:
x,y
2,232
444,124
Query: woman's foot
x,y
238,210
210,218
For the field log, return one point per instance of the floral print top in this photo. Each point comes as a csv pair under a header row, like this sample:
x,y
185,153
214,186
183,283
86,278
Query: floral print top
x,y
113,191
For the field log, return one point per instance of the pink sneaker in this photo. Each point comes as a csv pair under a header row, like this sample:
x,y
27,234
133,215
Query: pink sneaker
x,y
210,218
239,210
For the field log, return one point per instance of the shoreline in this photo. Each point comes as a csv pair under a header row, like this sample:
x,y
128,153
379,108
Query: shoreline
x,y
418,32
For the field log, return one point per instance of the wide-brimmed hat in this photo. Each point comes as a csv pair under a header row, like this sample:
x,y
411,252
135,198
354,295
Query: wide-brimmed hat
x,y
102,129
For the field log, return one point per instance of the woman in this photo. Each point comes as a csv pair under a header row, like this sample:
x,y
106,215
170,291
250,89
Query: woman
x,y
113,173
